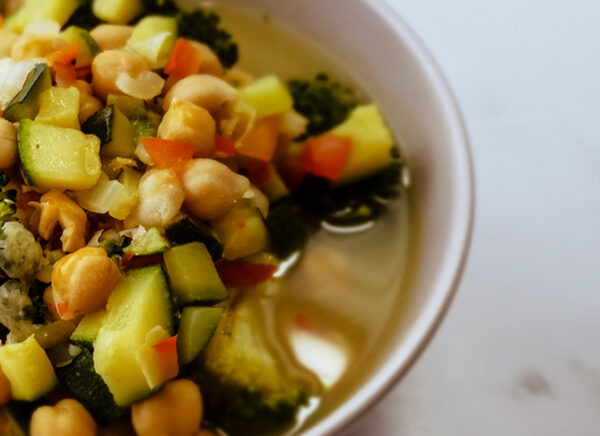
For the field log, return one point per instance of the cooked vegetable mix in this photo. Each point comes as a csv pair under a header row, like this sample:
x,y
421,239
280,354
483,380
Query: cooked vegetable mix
x,y
148,188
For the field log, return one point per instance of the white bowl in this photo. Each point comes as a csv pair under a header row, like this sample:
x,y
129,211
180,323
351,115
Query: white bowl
x,y
398,73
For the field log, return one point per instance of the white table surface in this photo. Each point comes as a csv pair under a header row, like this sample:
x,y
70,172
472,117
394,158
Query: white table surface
x,y
518,353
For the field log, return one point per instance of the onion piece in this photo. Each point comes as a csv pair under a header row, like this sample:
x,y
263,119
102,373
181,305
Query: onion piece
x,y
145,86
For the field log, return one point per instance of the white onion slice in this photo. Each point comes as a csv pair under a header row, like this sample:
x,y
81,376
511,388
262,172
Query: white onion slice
x,y
145,86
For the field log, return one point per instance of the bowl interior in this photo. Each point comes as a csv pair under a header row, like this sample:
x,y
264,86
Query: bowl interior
x,y
372,47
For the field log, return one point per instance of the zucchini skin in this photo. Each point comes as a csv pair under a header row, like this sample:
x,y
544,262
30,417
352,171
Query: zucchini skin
x,y
89,388
26,102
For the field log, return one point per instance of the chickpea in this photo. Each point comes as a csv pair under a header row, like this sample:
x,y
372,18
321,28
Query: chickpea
x,y
203,90
174,411
58,208
189,123
210,61
109,65
212,189
7,40
5,389
84,280
160,198
111,36
8,144
88,104
29,46
67,418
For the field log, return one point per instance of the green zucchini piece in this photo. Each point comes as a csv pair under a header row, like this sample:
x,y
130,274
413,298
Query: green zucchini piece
x,y
193,276
117,11
26,103
140,303
152,242
114,130
60,107
28,369
89,388
242,232
87,330
58,157
34,10
185,231
88,48
196,327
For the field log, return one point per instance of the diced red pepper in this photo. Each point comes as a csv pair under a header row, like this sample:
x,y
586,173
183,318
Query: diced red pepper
x,y
169,154
185,60
261,142
65,55
326,156
224,147
259,174
167,357
240,273
63,308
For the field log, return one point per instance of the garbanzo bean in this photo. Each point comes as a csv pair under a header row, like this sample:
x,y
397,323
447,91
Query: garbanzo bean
x,y
203,90
67,418
7,40
109,65
8,144
212,189
84,280
57,208
5,389
88,104
111,36
174,411
160,198
189,123
210,61
29,46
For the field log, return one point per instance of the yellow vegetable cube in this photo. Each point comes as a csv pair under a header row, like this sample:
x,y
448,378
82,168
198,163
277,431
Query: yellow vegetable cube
x,y
154,38
269,96
60,107
34,10
117,11
28,369
372,143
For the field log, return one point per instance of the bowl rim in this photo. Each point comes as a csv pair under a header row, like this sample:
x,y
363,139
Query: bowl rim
x,y
446,286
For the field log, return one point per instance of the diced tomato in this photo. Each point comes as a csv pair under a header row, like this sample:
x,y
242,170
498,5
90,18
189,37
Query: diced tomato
x,y
326,156
261,142
290,167
240,273
63,308
169,154
24,198
66,55
167,357
224,147
185,60
259,174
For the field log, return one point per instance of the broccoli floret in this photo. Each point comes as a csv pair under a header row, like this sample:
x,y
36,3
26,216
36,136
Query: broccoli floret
x,y
324,102
204,27
244,382
20,255
8,207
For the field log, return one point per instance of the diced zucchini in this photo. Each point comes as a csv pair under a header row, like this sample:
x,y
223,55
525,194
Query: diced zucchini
x,y
35,10
60,107
87,330
88,387
185,231
114,130
117,11
109,196
372,143
14,75
151,242
196,328
140,302
154,38
276,189
26,103
28,369
57,157
130,106
88,48
193,276
242,232
269,96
